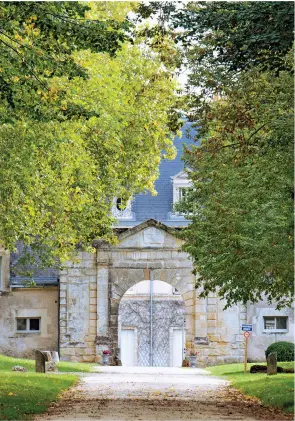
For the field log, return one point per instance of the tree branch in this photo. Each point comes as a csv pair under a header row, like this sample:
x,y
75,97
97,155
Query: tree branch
x,y
25,63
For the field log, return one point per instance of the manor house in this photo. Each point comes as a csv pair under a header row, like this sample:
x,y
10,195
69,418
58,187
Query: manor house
x,y
137,299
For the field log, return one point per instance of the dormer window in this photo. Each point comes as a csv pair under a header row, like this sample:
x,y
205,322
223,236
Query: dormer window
x,y
122,210
181,187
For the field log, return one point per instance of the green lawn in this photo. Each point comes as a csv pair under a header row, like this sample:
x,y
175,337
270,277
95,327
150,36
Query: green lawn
x,y
6,363
24,394
276,391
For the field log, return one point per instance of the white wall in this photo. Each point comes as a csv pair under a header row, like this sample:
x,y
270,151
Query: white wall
x,y
143,288
260,338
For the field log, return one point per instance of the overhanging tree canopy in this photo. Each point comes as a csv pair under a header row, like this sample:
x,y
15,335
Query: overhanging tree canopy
x,y
240,95
97,132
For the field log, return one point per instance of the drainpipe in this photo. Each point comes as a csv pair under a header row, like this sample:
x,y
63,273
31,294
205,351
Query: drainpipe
x,y
151,317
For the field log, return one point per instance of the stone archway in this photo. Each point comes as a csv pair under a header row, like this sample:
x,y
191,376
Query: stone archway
x,y
149,247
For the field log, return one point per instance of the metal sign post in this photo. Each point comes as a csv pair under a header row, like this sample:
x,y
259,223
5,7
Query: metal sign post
x,y
246,328
246,334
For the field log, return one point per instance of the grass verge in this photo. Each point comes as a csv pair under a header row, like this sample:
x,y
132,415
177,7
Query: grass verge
x,y
276,391
6,364
24,394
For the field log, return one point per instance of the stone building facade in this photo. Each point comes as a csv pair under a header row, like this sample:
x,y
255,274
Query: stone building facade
x,y
76,311
90,294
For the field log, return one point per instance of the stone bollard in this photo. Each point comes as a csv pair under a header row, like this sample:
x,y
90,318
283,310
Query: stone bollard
x,y
272,364
46,361
39,361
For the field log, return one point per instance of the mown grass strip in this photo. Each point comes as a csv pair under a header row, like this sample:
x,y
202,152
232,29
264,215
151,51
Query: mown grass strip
x,y
276,391
6,364
24,394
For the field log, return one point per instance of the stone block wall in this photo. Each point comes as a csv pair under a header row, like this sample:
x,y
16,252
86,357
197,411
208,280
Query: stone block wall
x,y
261,338
78,309
91,290
25,303
225,342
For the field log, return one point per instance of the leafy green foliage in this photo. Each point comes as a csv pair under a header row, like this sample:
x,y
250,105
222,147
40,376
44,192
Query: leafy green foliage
x,y
37,40
240,97
94,135
238,35
284,350
241,234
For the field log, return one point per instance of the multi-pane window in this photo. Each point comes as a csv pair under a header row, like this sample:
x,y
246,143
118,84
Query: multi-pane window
x,y
276,323
122,209
28,324
184,192
120,204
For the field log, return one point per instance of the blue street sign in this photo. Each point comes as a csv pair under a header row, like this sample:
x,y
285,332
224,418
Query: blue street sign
x,y
247,328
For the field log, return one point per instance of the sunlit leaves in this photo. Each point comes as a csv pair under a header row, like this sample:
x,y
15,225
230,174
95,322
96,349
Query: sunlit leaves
x,y
241,236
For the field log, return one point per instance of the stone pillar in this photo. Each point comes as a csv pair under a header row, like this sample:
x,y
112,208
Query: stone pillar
x,y
39,362
272,364
185,283
4,268
102,301
203,314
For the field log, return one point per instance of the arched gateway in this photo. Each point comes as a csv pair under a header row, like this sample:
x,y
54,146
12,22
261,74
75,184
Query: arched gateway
x,y
91,290
147,251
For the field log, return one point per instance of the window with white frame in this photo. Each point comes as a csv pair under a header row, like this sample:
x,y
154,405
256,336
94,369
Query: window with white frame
x,y
181,186
275,323
184,192
28,324
122,209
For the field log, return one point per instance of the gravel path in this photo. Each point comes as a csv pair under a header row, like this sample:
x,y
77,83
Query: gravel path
x,y
156,394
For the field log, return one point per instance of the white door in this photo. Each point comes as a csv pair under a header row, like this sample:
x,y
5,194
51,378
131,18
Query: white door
x,y
128,347
177,348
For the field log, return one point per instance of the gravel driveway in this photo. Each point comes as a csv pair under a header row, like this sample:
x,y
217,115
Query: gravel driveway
x,y
156,394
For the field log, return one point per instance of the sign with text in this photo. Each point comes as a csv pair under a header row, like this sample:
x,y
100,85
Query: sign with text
x,y
247,328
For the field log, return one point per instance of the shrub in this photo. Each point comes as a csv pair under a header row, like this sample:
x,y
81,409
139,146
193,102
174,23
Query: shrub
x,y
284,350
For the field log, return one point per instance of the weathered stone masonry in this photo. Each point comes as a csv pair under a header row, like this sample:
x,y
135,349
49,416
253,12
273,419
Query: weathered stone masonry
x,y
91,291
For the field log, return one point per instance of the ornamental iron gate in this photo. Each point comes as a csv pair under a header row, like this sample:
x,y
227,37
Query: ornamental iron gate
x,y
153,334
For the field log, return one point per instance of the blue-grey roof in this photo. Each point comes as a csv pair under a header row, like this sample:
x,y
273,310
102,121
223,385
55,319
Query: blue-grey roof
x,y
41,277
145,206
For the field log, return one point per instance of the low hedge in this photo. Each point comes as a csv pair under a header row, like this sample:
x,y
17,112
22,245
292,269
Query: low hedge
x,y
284,350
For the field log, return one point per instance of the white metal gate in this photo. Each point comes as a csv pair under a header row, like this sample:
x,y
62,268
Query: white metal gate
x,y
177,347
128,347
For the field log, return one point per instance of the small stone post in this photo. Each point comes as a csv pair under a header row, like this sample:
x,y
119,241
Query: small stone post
x,y
41,357
272,364
39,361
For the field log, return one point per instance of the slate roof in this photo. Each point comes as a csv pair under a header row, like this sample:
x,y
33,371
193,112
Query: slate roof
x,y
42,277
145,206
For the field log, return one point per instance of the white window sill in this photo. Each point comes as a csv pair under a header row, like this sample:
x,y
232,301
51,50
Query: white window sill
x,y
28,331
275,331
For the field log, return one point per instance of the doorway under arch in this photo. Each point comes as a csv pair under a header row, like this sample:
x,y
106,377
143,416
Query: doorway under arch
x,y
151,325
